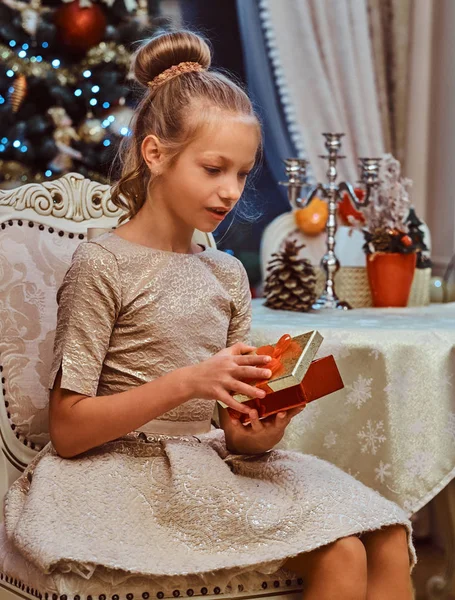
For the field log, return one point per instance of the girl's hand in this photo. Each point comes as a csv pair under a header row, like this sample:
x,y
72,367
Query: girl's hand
x,y
224,373
260,435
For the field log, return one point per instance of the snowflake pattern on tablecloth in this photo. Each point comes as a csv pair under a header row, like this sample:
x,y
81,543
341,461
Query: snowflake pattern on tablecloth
x,y
371,436
383,471
400,383
409,505
355,474
417,427
330,439
359,391
450,428
419,465
305,421
308,417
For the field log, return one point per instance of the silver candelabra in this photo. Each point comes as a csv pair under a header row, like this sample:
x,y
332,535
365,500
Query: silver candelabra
x,y
332,192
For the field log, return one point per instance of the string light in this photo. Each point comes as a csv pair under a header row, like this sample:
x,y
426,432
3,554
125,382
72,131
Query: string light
x,y
93,102
48,173
2,100
95,89
107,143
124,131
25,46
16,143
55,63
4,140
87,74
24,148
78,92
12,43
2,148
10,73
22,54
106,105
45,45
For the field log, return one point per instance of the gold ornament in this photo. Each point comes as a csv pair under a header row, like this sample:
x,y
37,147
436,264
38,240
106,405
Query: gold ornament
x,y
30,13
19,92
91,131
63,135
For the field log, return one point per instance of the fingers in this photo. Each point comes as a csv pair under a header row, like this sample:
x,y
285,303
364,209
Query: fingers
x,y
227,399
256,424
239,387
294,411
253,359
241,348
283,418
252,373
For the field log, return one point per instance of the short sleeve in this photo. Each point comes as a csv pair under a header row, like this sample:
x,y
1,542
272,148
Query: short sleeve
x,y
240,325
89,302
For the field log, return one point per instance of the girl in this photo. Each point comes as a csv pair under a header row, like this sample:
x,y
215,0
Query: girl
x,y
152,329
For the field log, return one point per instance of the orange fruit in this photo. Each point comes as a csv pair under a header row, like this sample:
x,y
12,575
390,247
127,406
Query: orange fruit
x,y
312,219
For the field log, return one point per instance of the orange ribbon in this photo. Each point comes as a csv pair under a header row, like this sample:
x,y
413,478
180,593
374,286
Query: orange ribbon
x,y
285,348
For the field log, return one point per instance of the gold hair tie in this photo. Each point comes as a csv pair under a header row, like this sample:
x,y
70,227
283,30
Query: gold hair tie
x,y
174,71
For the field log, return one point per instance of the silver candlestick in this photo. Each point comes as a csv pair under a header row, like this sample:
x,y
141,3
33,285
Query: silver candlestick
x,y
332,192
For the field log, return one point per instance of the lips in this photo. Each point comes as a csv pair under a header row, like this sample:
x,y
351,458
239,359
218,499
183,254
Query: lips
x,y
218,213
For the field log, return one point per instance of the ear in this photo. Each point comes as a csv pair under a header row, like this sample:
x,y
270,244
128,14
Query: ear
x,y
153,154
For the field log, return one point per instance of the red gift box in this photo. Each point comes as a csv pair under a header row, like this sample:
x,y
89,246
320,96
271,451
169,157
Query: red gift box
x,y
296,379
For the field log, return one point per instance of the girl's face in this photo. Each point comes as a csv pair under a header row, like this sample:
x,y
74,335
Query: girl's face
x,y
207,179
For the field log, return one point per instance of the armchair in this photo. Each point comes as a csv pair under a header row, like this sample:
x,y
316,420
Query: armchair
x,y
40,228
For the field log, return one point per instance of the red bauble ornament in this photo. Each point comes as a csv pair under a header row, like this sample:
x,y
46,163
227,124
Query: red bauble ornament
x,y
347,211
79,29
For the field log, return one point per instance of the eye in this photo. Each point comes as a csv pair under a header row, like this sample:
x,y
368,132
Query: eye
x,y
212,170
244,175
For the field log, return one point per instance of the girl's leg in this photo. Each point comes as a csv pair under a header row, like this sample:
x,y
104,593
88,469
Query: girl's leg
x,y
338,570
388,564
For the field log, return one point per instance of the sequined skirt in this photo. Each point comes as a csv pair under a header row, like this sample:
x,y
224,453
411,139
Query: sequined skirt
x,y
176,506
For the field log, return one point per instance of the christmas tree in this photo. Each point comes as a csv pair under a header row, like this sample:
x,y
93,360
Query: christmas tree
x,y
65,98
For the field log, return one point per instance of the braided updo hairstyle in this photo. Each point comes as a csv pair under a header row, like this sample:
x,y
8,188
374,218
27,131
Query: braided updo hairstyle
x,y
167,109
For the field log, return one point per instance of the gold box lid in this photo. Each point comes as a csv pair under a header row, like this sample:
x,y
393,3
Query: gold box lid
x,y
294,369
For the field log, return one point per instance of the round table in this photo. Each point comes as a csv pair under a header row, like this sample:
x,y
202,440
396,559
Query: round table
x,y
393,425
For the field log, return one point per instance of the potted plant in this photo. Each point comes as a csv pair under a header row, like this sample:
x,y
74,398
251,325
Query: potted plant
x,y
390,250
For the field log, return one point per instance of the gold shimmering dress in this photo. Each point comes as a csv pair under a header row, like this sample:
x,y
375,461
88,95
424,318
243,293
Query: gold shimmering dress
x,y
169,500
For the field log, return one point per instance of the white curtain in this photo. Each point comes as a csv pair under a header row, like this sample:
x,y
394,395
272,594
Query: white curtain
x,y
321,53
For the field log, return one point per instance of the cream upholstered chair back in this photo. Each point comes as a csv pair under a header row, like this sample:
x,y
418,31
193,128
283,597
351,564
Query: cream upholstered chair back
x,y
41,226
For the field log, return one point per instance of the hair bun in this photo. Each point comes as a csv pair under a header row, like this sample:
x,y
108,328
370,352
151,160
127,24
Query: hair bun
x,y
168,49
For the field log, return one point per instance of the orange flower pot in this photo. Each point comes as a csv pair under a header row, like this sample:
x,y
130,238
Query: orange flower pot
x,y
390,275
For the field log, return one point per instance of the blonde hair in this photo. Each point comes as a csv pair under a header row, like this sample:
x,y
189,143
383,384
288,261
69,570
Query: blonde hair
x,y
164,108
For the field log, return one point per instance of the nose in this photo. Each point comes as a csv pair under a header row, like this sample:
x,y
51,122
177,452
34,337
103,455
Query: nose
x,y
230,190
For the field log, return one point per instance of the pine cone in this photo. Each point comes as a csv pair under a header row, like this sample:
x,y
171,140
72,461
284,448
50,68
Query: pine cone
x,y
291,282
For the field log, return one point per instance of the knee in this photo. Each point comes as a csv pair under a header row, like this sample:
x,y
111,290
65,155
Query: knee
x,y
345,562
346,553
392,544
